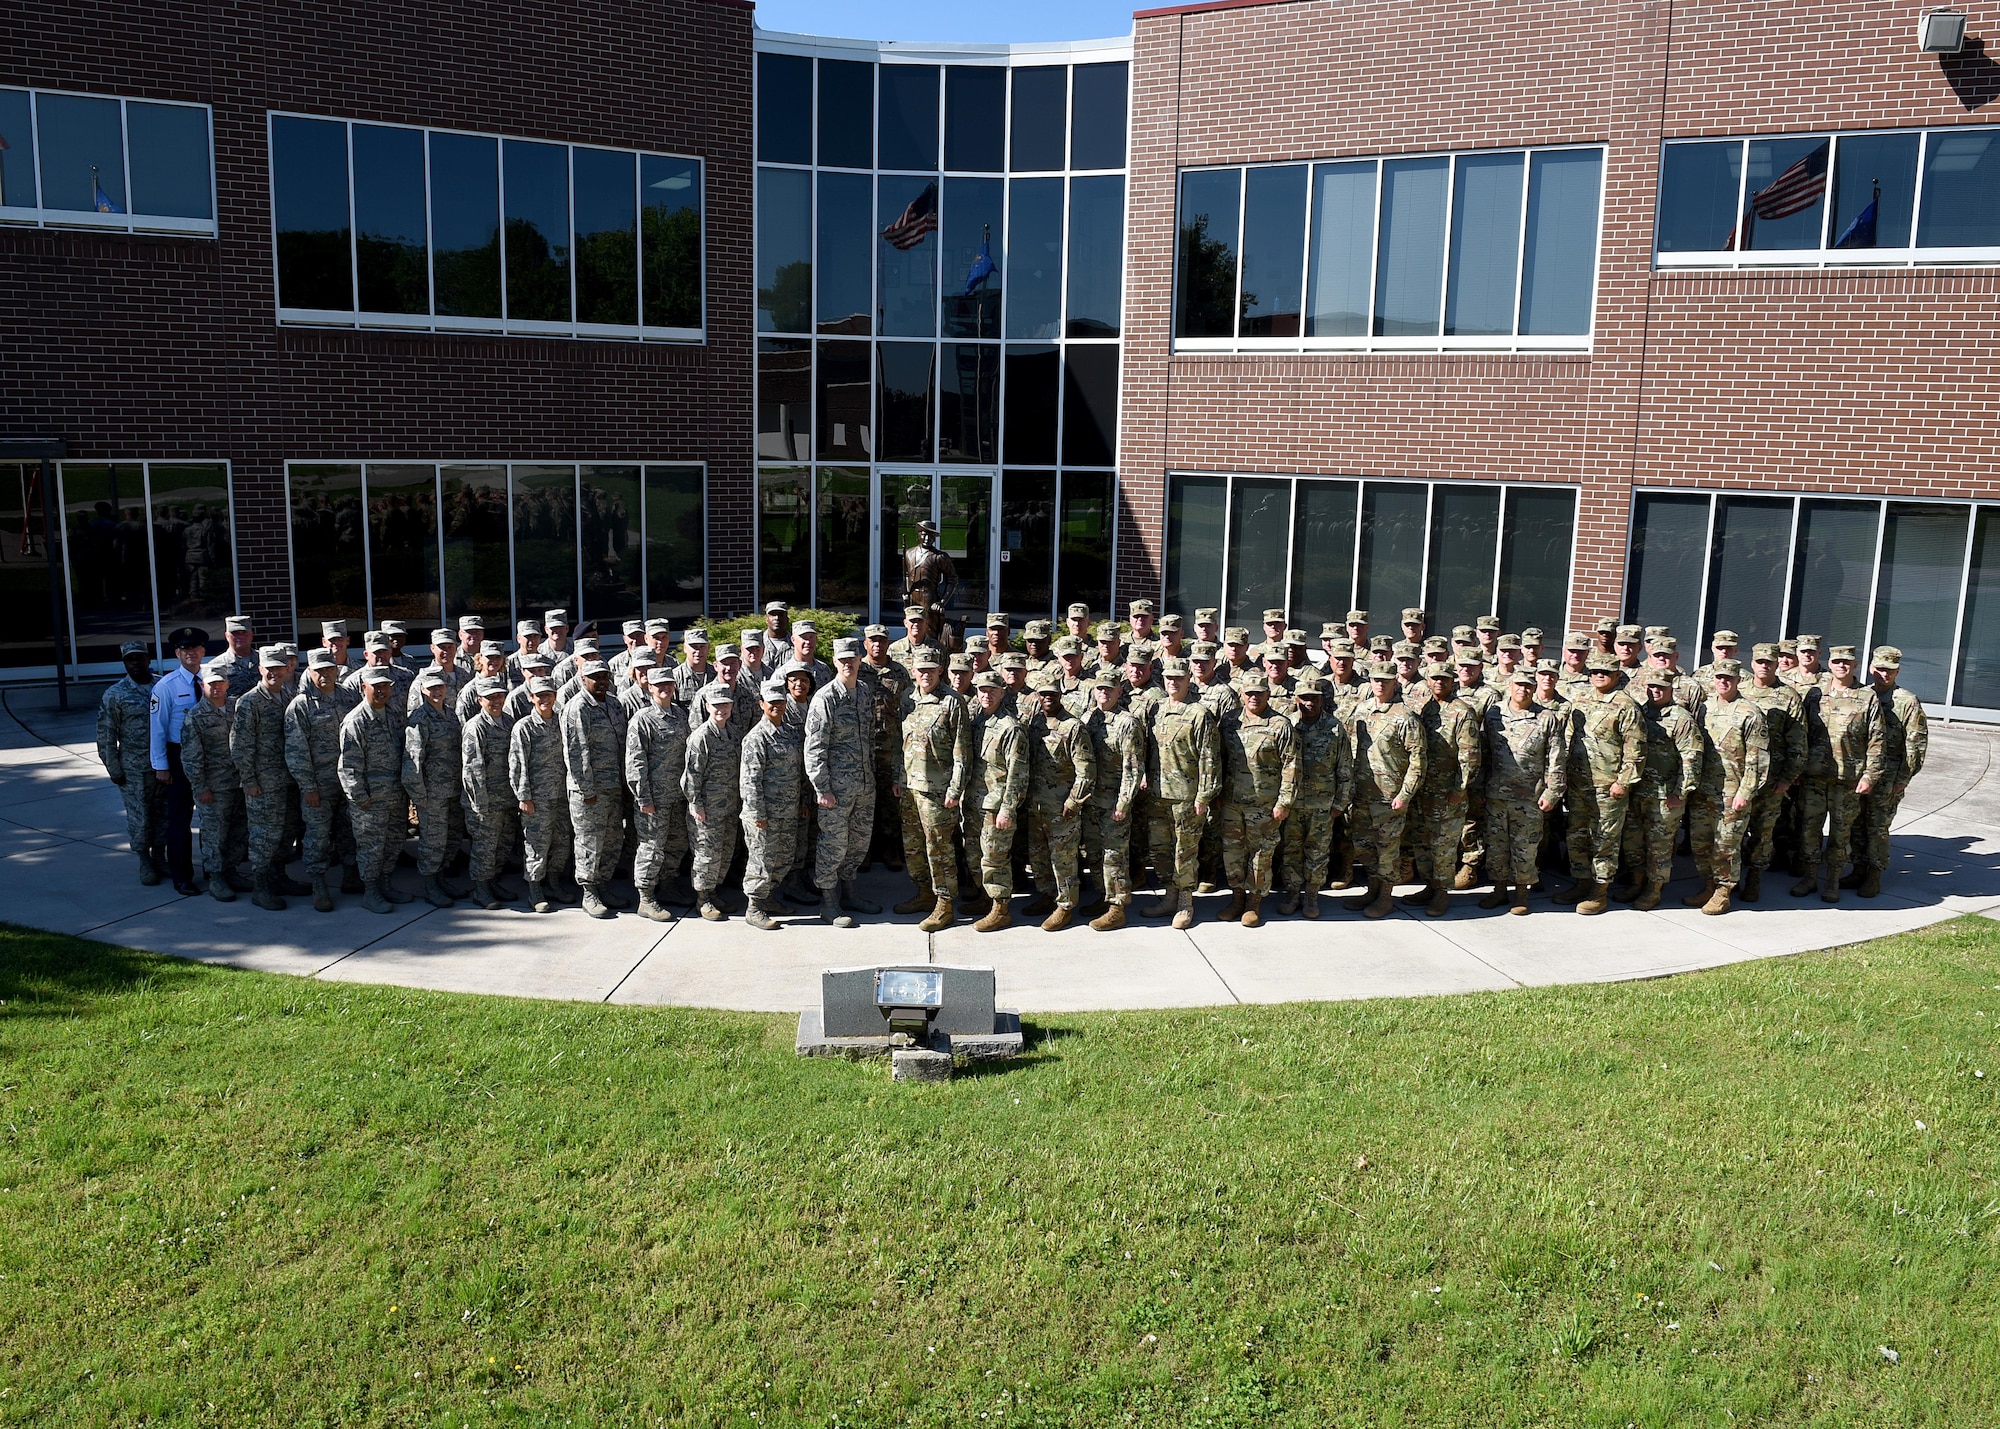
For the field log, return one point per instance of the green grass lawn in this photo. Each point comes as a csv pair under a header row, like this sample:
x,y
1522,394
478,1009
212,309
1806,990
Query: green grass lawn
x,y
229,1198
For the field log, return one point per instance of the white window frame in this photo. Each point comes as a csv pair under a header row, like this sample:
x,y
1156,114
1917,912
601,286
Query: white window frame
x,y
34,215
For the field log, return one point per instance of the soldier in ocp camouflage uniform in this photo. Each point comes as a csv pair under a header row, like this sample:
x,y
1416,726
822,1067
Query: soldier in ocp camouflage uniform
x,y
655,759
996,784
1326,788
1453,739
1846,760
1184,768
1388,771
772,785
1118,753
1061,777
1607,748
1906,740
1478,694
1785,729
312,753
928,771
212,779
711,782
369,765
432,749
1669,776
1525,754
891,682
541,791
492,813
839,754
1260,782
125,747
1735,762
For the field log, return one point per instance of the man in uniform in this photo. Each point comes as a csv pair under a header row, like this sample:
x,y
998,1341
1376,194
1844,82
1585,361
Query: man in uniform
x,y
1110,652
312,754
1531,647
1846,760
916,638
333,637
535,771
124,746
1628,644
805,655
1357,628
257,745
471,645
1785,729
656,742
711,782
1669,776
1664,654
1906,740
593,741
211,775
1602,632
1525,758
492,814
174,694
381,655
1143,617
1207,625
1735,762
1076,621
1184,775
433,745
838,750
1235,660
1453,735
771,781
491,665
1061,779
1724,643
1486,630
1478,694
368,764
1413,624
1607,747
555,643
890,682
1326,788
928,777
1260,782
1036,638
444,660
1118,754
1212,684
1274,636
1807,672
694,671
1575,674
996,783
620,664
998,633
776,636
239,662
528,641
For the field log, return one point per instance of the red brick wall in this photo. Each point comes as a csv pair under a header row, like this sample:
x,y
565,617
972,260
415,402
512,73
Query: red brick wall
x,y
167,347
1802,381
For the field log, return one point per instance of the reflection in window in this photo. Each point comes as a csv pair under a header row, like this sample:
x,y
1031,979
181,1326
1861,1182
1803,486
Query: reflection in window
x,y
478,571
907,380
1205,253
784,535
194,564
1096,255
389,258
1961,195
1027,543
1274,235
846,253
1083,570
1917,591
969,402
1041,118
1979,643
105,530
1465,531
1668,560
1559,270
1784,193
1874,190
403,547
1747,561
29,638
842,537
975,108
1195,514
82,140
1391,571
1260,518
846,114
676,543
670,240
465,225
1833,569
17,164
845,403
970,256
1323,522
1034,256
309,209
965,533
1699,186
609,542
1097,123
1535,558
536,232
607,237
1090,405
906,257
784,109
908,128
1034,383
544,540
1485,245
167,146
784,251
329,561
784,399
1411,242
1341,277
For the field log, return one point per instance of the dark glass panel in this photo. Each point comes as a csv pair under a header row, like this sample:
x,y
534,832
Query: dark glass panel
x,y
1782,174
1260,518
1034,382
105,528
1409,269
784,535
1027,544
1041,118
975,118
1097,125
845,403
1485,245
846,253
309,207
973,243
1083,569
536,231
1391,564
1096,255
1535,559
1205,257
608,522
1090,405
544,540
478,571
784,250
1874,189
965,533
1465,533
969,402
784,399
1961,194
465,225
784,109
907,381
1195,518
1342,272
906,255
607,237
403,547
168,152
29,638
194,554
1559,270
1833,570
1035,256
1323,520
908,130
1918,591
1700,184
842,534
391,250
1746,571
1663,582
676,543
847,114
670,240
329,536
83,157
1274,249
1979,643
906,500
17,160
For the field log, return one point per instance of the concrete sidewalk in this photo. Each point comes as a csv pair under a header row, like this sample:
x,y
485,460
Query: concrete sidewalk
x,y
64,866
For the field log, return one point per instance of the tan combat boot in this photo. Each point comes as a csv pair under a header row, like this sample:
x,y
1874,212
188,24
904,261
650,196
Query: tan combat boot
x,y
1169,900
941,917
1497,898
1184,911
1235,908
1595,903
1465,878
1110,920
997,917
1253,909
1058,920
1718,901
1701,895
1519,907
1385,902
1367,899
1649,897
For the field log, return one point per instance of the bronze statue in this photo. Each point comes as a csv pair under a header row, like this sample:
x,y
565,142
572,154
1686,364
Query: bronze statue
x,y
929,577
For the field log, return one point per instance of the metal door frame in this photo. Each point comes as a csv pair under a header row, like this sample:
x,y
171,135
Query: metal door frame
x,y
935,474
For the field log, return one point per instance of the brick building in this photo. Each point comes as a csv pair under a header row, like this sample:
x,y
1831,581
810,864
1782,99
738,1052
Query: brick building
x,y
1678,313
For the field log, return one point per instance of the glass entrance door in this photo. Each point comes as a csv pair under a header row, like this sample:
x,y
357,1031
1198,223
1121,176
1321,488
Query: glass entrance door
x,y
961,503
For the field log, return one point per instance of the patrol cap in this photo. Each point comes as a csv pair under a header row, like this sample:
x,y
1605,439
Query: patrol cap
x,y
1839,652
376,675
659,627
1733,669
236,625
643,660
1886,657
323,660
1381,644
658,676
774,607
1357,617
1604,625
956,663
553,618
488,685
493,652
1548,667
541,685
1343,649
1469,657
1207,615
1576,640
1654,631
1170,622
1201,650
1037,630
1174,665
876,632
1103,680
1764,650
1461,632
332,629
633,627
291,650
592,666
697,637
1068,645
1510,642
1381,671
441,636
847,648
1788,647
1013,660
772,690
996,620
1521,677
1724,637
1107,632
430,679
988,680
394,627
1413,615
1600,661
1254,681
1436,645
1487,622
1295,637
1274,616
1142,652
1046,682
1628,635
1331,630
1808,642
804,627
722,694
1141,607
138,647
1658,679
1663,645
928,660
913,612
472,622
583,647
527,627
1405,650
269,658
212,672
727,651
1310,686
1533,635
1437,670
1236,635
1077,608
536,660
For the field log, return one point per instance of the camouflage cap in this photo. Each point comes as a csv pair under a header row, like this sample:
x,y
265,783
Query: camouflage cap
x,y
1382,671
1046,682
139,647
1628,635
927,660
536,660
541,685
332,629
474,622
913,613
1141,652
1487,622
430,680
1461,632
956,663
376,640
775,607
1236,635
1038,630
727,651
696,638
804,627
1171,622
551,619
1357,617
1808,642
1437,670
212,671
1310,683
1576,640
1274,616
1067,645
1206,615
487,686
1654,631
1510,642
1604,625
1381,644
1788,647
1886,657
441,636
772,690
373,675
1254,682
1548,667
1727,669
323,660
997,620
1202,650
988,680
1173,665
1469,658
393,627
1013,660
1140,607
1413,615
1533,635
1107,632
1331,630
1521,677
1105,680
585,646
1341,649
1658,680
1077,609
527,627
1664,644
1601,663
876,632
238,625
1725,637
1764,650
659,627
1838,652
1406,650
847,648
660,677
1295,637
1436,645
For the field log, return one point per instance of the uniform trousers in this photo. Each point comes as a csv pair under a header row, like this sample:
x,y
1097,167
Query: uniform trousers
x,y
598,827
661,842
996,856
1249,843
1306,846
329,833
928,852
1596,827
1174,836
1107,843
1054,839
225,838
844,831
1513,836
545,836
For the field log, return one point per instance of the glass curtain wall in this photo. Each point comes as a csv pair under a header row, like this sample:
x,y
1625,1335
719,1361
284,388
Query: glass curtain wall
x,y
940,275
1861,571
425,543
91,161
1317,546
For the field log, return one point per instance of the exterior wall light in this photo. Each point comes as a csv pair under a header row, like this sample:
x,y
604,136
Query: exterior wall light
x,y
1941,32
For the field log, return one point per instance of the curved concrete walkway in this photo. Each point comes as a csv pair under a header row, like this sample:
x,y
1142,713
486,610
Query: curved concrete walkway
x,y
64,866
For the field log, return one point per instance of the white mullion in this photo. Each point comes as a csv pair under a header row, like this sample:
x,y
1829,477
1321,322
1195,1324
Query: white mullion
x,y
1242,217
500,187
430,265
1742,196
1520,283
1569,586
437,506
576,537
1354,571
146,503
1500,524
513,595
125,160
1826,194
1964,592
1444,259
1305,256
639,259
1055,571
1791,563
61,522
1916,194
1874,580
1374,258
1291,538
1228,500
1430,502
353,231
812,536
368,554
1707,559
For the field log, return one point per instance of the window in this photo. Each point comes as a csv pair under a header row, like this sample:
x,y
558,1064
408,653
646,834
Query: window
x,y
1893,197
86,161
784,250
1097,118
907,123
1489,251
1096,255
378,225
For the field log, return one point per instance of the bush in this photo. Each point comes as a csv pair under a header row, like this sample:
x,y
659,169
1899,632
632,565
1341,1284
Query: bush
x,y
833,624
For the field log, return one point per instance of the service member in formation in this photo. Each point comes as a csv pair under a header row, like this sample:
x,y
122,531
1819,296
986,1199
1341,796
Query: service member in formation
x,y
593,742
1118,753
1453,736
1607,747
174,694
257,744
996,784
771,783
369,766
492,813
928,774
839,754
1785,729
656,741
541,792
1326,788
1061,778
1906,740
124,747
433,745
1846,760
1669,776
711,781
1260,782
1388,772
1525,759
239,662
312,754
1184,771
1735,762
218,791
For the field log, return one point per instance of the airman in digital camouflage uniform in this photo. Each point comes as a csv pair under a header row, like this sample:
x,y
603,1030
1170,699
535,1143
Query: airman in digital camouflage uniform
x,y
1260,782
125,747
433,778
492,813
996,784
1525,756
1785,728
1388,771
1326,788
490,664
772,784
1669,777
711,782
212,778
257,744
312,754
536,772
928,771
1118,754
1184,768
1846,760
1453,745
1735,762
238,663
1906,740
839,755
369,766
1607,748
1061,777
593,738
655,759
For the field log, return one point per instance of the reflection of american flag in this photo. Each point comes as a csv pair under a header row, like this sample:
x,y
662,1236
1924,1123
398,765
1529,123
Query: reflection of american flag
x,y
916,222
1795,190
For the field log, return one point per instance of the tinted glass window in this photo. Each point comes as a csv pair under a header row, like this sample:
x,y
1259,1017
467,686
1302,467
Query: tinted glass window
x,y
544,539
1034,381
329,524
478,572
537,231
1391,567
193,566
969,402
465,225
1746,567
403,546
909,116
676,542
1833,569
1083,557
83,153
1323,552
847,114
845,402
1041,117
842,537
1465,530
1260,514
906,257
1097,123
1559,271
391,262
1485,246
784,250
670,240
1205,263
784,109
1668,559
1342,271
609,515
975,118
309,207
1410,272
1785,201
1979,642
784,398
973,244
17,160
1874,183
25,578
1034,256
607,236
1096,255
1274,250
1961,193
169,154
846,253
784,535
1194,541
1535,558
904,418
1917,592
1699,187
1027,543
1090,405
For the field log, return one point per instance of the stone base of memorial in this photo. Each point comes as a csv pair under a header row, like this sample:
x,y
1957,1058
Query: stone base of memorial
x,y
925,1019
